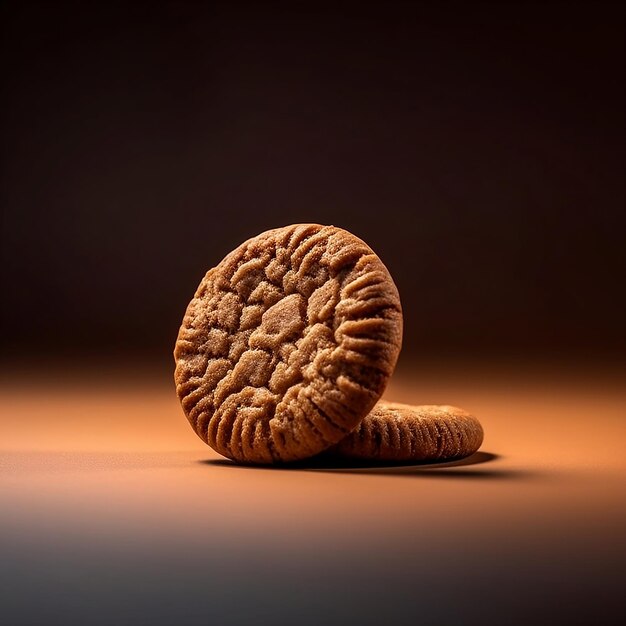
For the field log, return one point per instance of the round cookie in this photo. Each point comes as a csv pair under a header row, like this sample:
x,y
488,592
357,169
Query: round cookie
x,y
401,432
287,344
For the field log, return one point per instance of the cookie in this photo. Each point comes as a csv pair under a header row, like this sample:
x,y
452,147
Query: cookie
x,y
401,432
287,344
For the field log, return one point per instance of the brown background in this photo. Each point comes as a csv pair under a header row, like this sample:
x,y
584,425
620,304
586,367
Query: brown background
x,y
477,147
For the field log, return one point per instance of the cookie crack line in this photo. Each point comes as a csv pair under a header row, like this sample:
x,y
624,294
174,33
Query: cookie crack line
x,y
300,312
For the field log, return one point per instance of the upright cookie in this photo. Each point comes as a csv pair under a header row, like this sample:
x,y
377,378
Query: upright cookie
x,y
287,344
400,432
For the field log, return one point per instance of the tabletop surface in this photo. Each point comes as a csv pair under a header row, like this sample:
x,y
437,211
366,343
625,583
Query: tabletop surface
x,y
112,511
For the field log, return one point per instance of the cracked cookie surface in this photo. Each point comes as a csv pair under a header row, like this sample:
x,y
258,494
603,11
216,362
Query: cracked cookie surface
x,y
401,432
287,344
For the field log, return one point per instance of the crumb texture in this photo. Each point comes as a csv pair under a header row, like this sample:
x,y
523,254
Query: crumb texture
x,y
287,344
401,432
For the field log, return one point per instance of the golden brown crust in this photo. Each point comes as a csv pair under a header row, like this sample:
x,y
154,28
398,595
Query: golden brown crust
x,y
287,344
401,432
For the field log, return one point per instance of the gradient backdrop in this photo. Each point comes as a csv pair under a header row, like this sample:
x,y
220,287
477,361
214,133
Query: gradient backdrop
x,y
477,147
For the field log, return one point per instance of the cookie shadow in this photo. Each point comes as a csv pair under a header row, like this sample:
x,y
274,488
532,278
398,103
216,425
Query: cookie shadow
x,y
455,468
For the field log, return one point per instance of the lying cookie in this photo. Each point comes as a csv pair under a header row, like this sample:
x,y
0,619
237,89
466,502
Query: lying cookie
x,y
401,432
287,344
